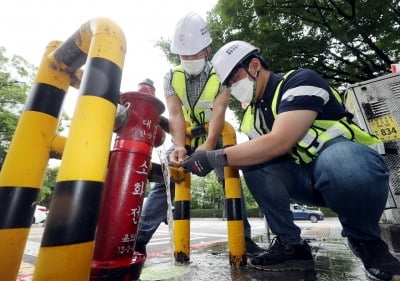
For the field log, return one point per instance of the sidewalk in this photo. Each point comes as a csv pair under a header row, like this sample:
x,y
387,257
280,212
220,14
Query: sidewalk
x,y
334,260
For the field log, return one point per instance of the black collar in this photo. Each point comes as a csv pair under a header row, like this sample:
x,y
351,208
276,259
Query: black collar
x,y
271,84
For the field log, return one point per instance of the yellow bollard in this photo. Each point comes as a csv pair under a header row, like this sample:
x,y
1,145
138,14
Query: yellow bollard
x,y
68,240
182,210
25,165
182,220
233,196
237,256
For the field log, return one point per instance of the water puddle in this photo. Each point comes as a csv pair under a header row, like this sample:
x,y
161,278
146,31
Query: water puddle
x,y
162,272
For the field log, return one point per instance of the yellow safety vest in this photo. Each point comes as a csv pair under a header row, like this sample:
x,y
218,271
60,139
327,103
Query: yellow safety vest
x,y
320,132
200,112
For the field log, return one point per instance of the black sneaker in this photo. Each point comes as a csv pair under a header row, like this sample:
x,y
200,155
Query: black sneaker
x,y
252,249
141,248
284,257
378,262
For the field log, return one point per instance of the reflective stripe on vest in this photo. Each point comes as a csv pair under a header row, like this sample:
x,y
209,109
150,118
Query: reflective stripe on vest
x,y
200,112
253,123
322,131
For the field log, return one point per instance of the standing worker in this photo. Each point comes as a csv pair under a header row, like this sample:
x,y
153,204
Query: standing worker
x,y
192,92
303,146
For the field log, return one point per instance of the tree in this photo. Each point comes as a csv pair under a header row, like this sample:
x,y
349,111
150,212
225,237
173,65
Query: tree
x,y
206,192
248,197
164,45
16,75
48,186
346,41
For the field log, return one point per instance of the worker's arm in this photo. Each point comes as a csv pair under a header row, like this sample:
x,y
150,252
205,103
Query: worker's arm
x,y
177,128
217,120
289,127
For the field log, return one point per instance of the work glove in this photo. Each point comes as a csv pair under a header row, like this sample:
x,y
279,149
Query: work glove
x,y
202,162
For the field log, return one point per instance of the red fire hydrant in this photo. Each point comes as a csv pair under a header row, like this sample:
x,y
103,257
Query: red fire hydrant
x,y
114,257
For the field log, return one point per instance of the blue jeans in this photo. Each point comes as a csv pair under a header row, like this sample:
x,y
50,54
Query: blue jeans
x,y
155,210
349,178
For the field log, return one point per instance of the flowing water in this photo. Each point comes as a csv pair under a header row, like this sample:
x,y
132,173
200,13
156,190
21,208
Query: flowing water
x,y
165,271
170,220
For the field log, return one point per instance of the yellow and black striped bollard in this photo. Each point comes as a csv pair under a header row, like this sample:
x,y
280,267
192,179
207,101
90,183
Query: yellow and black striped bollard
x,y
67,246
25,165
233,196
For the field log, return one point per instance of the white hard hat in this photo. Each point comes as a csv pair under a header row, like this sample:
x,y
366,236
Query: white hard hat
x,y
229,56
191,35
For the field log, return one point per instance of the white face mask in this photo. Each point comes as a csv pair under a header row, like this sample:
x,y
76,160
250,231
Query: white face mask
x,y
193,67
243,90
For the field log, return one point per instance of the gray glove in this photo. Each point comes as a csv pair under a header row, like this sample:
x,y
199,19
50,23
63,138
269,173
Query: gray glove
x,y
202,162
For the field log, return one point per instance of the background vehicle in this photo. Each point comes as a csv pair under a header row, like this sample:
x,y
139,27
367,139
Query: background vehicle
x,y
301,213
40,214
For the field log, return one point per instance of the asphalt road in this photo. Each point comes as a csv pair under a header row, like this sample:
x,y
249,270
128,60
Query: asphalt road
x,y
203,232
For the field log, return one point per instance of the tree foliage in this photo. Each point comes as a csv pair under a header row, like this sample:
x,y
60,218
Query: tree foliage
x,y
16,75
164,45
48,186
346,41
207,193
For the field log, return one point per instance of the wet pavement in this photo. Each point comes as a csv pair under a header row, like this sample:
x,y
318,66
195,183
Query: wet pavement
x,y
334,262
210,261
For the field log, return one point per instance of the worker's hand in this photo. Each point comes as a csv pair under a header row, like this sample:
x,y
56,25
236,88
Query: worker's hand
x,y
202,162
177,156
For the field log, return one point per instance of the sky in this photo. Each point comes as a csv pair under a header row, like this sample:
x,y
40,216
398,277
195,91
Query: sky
x,y
26,28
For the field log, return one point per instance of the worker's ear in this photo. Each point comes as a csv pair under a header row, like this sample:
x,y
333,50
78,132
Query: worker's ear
x,y
255,63
208,51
